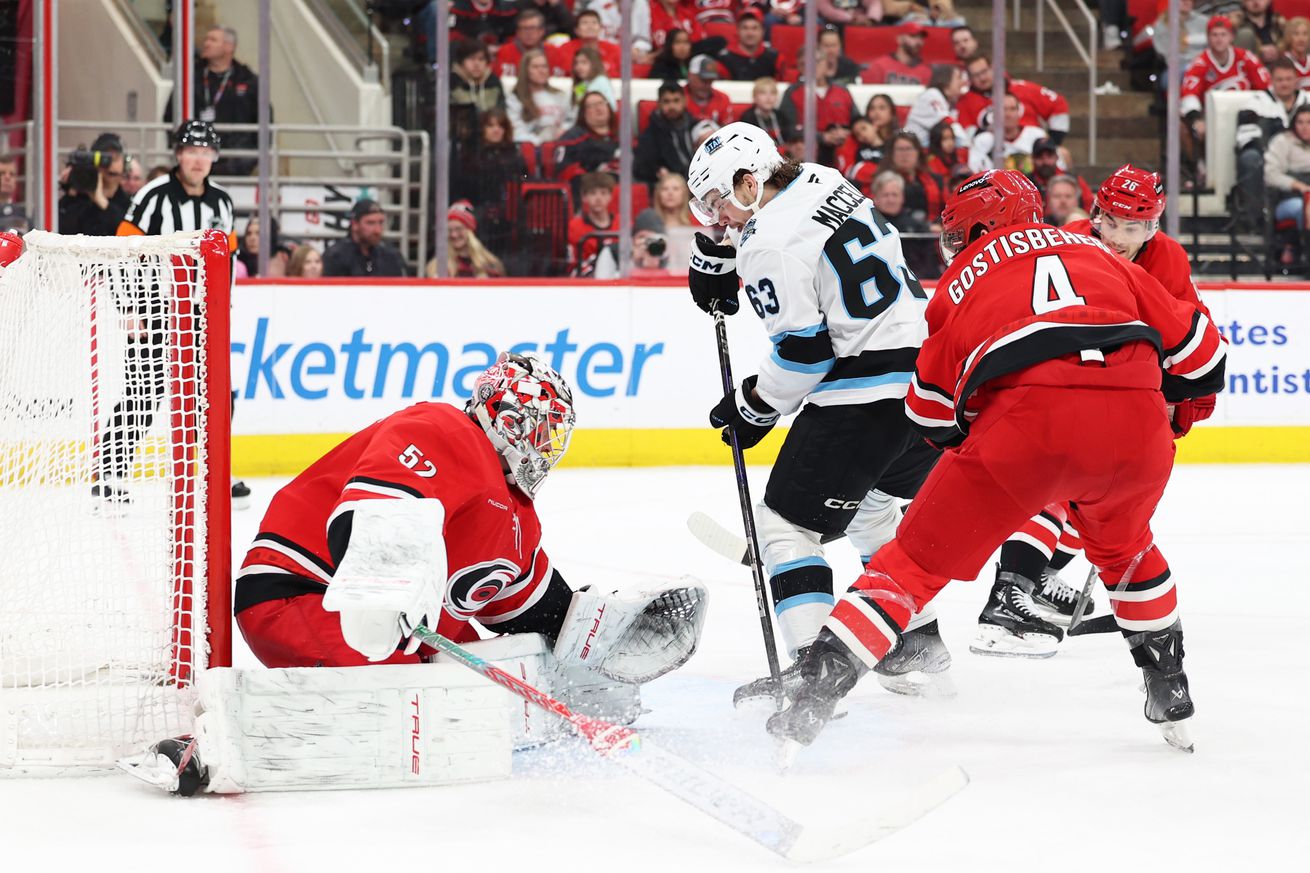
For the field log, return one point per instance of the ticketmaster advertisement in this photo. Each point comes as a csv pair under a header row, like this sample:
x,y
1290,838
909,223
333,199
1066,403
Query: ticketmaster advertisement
x,y
314,362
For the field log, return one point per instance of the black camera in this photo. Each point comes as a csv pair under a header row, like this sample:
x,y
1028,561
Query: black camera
x,y
656,245
89,160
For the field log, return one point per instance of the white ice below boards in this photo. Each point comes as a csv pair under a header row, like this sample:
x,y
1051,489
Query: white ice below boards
x,y
1057,749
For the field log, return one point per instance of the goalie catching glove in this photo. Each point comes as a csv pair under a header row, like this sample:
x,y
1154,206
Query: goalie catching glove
x,y
713,276
632,636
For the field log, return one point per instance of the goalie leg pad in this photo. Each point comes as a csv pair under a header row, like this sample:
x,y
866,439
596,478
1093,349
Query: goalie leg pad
x,y
800,580
632,637
384,726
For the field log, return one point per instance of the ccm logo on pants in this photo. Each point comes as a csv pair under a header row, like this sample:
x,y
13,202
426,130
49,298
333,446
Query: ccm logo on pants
x,y
834,503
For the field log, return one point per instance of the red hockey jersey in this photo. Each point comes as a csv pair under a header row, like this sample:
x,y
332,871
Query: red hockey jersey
x,y
1041,107
509,56
495,566
1050,294
1243,72
1164,258
684,17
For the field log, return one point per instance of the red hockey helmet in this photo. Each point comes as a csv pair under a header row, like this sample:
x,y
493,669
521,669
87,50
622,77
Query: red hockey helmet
x,y
985,202
11,246
1132,193
526,409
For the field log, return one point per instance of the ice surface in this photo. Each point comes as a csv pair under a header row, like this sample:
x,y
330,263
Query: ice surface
x,y
1066,772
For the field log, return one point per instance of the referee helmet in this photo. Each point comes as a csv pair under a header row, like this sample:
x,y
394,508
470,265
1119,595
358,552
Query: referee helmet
x,y
196,133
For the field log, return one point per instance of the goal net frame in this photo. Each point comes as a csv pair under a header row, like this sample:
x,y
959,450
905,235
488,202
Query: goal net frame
x,y
54,720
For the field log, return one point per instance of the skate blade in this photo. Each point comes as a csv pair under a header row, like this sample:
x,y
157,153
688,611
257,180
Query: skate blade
x,y
997,642
1177,734
151,768
1057,618
917,684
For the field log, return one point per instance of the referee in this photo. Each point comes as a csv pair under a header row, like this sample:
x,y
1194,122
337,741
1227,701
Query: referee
x,y
183,200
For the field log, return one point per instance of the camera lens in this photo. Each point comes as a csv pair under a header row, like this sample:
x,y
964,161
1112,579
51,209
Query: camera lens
x,y
657,245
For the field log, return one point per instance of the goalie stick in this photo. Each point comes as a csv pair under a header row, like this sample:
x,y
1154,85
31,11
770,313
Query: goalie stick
x,y
730,805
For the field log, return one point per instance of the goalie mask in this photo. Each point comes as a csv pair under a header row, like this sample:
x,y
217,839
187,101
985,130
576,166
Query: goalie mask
x,y
526,410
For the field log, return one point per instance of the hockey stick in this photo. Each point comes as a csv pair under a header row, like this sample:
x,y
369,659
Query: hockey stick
x,y
700,788
719,539
1080,605
748,521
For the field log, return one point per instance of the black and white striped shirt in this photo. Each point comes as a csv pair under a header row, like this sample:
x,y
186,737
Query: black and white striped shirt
x,y
163,206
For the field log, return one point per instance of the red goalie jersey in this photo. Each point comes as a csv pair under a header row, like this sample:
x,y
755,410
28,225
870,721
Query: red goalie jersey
x,y
496,568
1052,295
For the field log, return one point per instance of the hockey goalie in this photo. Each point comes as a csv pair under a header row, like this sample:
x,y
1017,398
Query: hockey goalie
x,y
425,518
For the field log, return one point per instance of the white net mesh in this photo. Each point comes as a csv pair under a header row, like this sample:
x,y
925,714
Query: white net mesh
x,y
102,496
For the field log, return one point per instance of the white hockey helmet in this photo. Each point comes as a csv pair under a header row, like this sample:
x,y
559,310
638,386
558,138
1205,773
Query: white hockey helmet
x,y
526,409
736,146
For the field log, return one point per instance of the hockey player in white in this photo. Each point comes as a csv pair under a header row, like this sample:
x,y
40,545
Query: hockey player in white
x,y
825,273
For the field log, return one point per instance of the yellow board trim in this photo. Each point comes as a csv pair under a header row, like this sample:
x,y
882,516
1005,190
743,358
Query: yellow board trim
x,y
288,454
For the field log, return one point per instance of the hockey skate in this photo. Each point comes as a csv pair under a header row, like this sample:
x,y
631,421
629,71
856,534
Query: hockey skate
x,y
1010,626
172,765
919,666
763,691
1055,600
828,672
1168,700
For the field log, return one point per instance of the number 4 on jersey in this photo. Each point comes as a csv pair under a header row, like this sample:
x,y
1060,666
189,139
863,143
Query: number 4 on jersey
x,y
1052,289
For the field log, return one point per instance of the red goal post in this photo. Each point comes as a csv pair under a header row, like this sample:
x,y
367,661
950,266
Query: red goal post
x,y
114,492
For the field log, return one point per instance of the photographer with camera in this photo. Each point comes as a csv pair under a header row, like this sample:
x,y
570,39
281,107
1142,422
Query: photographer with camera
x,y
94,202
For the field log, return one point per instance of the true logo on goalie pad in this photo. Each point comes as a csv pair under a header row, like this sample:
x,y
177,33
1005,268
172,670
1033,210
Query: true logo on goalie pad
x,y
591,635
415,736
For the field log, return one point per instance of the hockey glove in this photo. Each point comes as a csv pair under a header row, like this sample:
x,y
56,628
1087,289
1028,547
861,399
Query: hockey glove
x,y
713,276
740,412
1190,411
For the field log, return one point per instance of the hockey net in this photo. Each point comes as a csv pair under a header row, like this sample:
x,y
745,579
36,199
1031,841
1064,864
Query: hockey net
x,y
114,493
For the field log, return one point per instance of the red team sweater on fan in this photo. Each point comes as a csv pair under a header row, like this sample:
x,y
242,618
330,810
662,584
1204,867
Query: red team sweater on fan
x,y
1042,107
496,567
1050,296
1243,72
684,17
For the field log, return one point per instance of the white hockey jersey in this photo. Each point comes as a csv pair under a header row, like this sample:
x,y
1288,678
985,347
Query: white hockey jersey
x,y
825,272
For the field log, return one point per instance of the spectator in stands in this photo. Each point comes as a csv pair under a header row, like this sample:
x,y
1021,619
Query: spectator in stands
x,y
717,11
937,102
538,111
466,256
703,99
556,13
1047,163
650,251
1224,66
670,201
8,179
1287,172
305,263
132,176
764,113
248,252
904,157
904,66
590,146
860,13
597,195
1268,114
155,172
484,173
1296,48
834,108
830,45
858,160
612,25
944,151
362,253
589,76
1193,34
1063,194
940,13
701,131
226,92
13,218
887,191
964,43
674,59
473,88
587,32
789,12
94,202
665,145
1258,29
881,113
529,36
1019,142
750,58
489,21
1040,106
667,16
